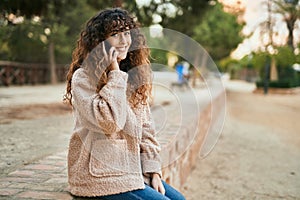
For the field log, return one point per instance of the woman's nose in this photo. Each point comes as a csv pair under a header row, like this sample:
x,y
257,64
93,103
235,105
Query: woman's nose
x,y
122,38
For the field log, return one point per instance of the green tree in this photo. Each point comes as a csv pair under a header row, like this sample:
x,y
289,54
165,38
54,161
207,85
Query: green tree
x,y
50,27
218,32
48,30
178,15
64,25
259,61
25,42
285,57
290,10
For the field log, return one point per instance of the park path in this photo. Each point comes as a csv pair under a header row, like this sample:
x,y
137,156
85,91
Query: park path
x,y
258,153
34,123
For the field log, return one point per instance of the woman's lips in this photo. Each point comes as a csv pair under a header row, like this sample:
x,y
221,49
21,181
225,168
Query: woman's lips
x,y
121,49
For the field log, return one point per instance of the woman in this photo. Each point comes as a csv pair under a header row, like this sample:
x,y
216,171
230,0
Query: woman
x,y
113,152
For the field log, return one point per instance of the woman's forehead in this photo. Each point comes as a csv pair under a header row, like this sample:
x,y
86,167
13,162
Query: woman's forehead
x,y
120,29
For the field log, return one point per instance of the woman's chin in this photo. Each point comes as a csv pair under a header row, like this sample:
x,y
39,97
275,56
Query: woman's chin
x,y
122,57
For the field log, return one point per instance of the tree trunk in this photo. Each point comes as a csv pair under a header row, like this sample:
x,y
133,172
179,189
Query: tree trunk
x,y
52,64
199,69
195,69
291,25
273,73
204,66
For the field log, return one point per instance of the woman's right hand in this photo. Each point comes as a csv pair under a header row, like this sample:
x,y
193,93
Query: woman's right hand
x,y
109,58
157,183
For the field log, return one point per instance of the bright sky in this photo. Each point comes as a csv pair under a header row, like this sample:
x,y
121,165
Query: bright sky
x,y
255,13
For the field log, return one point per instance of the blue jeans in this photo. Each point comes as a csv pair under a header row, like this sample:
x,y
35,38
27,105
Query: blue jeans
x,y
147,194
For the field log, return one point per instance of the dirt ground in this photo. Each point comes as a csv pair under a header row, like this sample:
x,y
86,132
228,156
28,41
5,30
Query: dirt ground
x,y
27,112
258,153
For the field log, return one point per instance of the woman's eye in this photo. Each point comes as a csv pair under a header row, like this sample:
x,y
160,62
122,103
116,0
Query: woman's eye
x,y
127,33
114,35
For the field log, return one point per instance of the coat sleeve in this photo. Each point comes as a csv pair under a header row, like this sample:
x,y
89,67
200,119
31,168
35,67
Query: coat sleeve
x,y
105,110
150,148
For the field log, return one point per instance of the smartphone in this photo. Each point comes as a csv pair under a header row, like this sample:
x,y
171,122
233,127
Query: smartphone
x,y
107,46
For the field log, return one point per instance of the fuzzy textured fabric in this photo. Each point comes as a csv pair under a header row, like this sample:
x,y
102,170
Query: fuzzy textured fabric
x,y
113,147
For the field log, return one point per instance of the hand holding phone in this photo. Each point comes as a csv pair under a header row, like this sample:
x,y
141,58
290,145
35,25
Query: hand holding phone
x,y
110,56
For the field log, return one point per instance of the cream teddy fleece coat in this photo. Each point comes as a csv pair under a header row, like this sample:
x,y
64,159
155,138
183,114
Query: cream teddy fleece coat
x,y
113,146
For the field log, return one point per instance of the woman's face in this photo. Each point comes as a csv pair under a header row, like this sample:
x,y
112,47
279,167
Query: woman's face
x,y
121,41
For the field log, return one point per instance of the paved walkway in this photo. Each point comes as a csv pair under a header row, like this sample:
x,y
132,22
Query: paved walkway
x,y
43,179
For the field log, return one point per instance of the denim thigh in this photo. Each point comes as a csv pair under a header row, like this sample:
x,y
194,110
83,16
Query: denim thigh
x,y
147,194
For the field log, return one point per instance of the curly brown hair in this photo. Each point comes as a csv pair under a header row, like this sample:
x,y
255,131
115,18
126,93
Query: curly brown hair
x,y
97,30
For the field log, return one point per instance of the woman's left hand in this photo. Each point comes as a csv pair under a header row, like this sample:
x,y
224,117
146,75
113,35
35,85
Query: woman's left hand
x,y
157,183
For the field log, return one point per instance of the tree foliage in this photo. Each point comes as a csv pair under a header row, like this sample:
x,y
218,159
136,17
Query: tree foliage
x,y
290,10
285,57
60,21
42,22
189,14
218,32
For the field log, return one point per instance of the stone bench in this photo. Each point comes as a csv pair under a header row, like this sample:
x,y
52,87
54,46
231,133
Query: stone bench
x,y
191,116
